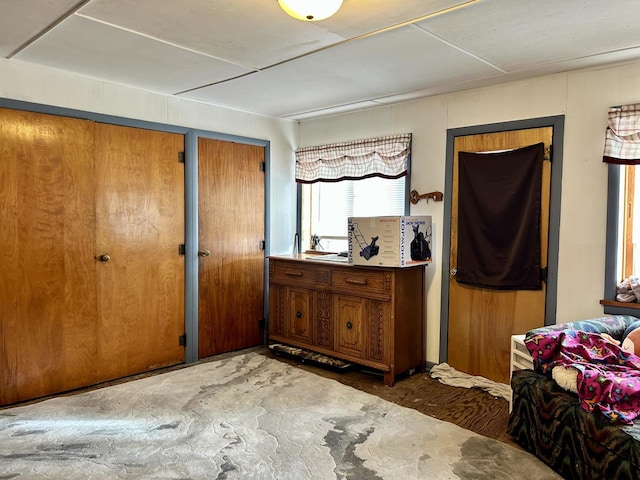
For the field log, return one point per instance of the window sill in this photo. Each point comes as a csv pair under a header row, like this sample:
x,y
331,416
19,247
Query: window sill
x,y
621,308
325,252
613,303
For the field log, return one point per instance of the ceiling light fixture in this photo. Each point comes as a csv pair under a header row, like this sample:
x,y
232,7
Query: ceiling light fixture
x,y
310,10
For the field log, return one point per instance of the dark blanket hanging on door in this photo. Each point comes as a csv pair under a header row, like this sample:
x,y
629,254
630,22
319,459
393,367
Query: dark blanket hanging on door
x,y
499,197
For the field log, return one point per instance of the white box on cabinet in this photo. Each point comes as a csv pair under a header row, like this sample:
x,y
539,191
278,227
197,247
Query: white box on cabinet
x,y
391,241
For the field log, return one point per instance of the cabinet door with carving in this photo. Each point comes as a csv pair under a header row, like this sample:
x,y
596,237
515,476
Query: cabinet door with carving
x,y
300,308
349,323
322,323
377,314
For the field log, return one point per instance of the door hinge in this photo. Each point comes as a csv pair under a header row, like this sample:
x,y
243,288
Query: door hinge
x,y
544,274
263,166
181,249
180,157
262,245
262,323
182,340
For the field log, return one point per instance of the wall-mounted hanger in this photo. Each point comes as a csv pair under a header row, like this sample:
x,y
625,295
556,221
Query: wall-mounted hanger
x,y
414,196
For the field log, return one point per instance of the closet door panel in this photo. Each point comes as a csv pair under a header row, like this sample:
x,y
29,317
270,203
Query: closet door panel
x,y
140,224
231,212
47,286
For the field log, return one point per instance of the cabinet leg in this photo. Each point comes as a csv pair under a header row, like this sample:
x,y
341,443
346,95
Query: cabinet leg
x,y
389,379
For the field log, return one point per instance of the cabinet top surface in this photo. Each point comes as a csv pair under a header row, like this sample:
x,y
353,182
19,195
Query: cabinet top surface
x,y
331,261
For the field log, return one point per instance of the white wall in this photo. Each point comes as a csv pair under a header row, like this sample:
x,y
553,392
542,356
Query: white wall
x,y
20,81
582,96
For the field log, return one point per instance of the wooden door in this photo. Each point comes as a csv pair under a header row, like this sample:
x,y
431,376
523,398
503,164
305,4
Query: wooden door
x,y
47,271
481,321
140,225
231,232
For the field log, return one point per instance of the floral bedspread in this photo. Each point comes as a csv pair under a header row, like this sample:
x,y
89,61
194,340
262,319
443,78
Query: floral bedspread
x,y
608,377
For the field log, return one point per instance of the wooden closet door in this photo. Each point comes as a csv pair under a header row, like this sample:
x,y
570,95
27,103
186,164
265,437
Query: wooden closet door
x,y
140,224
231,229
47,270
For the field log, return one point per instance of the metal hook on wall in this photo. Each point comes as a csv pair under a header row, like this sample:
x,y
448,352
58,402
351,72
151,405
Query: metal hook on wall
x,y
414,196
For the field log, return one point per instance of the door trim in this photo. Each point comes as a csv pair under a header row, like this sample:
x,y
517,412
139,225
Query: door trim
x,y
191,229
551,300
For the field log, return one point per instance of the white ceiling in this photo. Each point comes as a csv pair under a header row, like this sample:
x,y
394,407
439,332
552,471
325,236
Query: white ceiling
x,y
249,55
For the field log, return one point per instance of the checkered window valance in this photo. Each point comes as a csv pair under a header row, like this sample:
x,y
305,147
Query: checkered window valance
x,y
376,157
622,139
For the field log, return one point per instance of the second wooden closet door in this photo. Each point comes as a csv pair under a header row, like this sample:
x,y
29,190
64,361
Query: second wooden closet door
x,y
140,224
231,228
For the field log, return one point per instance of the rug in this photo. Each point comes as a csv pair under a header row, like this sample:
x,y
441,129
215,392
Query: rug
x,y
445,373
244,417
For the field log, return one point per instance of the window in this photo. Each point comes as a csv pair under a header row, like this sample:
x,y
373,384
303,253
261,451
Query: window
x,y
326,206
623,237
361,178
622,153
628,252
627,224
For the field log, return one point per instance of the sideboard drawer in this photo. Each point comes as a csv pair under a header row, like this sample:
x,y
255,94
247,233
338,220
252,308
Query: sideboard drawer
x,y
293,273
359,280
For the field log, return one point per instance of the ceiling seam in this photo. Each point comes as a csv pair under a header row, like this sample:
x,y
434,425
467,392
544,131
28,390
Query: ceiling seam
x,y
166,42
337,44
460,49
48,28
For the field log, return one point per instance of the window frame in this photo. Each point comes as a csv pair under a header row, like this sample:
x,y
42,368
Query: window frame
x,y
611,306
297,247
627,219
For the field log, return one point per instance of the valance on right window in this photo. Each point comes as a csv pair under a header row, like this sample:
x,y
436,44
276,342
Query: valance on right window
x,y
622,139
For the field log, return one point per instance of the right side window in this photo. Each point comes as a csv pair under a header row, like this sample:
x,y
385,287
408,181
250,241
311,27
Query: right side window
x,y
628,257
622,261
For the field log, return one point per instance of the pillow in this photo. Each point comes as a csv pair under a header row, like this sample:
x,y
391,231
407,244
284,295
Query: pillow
x,y
610,339
630,341
566,378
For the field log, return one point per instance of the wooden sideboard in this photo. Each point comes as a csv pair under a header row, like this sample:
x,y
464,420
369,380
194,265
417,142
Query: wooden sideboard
x,y
372,316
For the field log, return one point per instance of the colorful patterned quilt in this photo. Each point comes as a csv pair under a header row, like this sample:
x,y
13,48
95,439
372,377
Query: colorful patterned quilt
x,y
608,377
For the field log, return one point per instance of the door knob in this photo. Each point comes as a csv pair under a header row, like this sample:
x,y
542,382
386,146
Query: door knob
x,y
453,271
204,253
104,258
